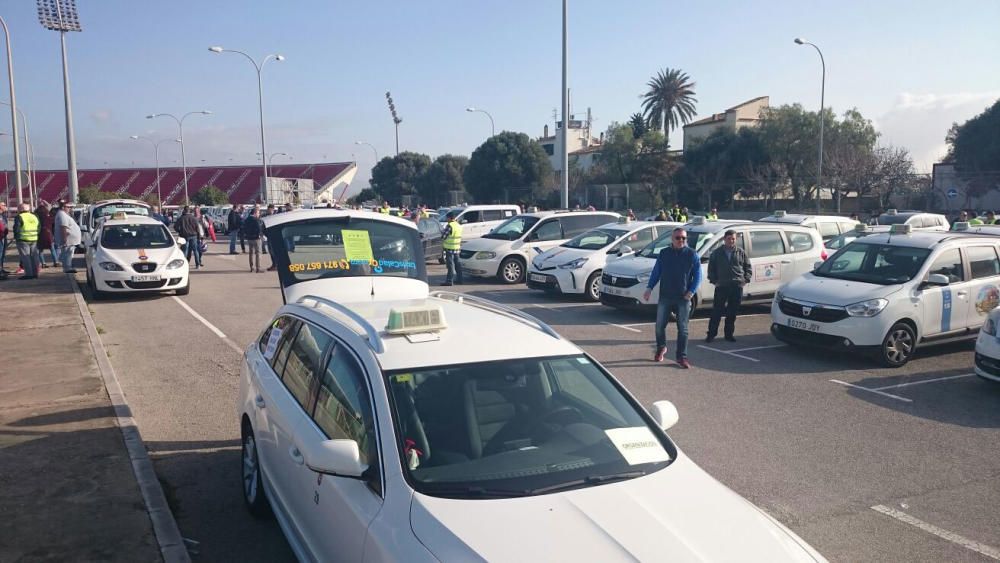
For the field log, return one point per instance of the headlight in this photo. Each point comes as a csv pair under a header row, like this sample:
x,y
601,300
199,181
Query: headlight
x,y
643,278
778,296
174,264
111,267
573,264
485,255
990,327
868,308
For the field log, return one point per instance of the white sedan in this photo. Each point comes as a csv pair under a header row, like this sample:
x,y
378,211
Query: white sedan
x,y
135,254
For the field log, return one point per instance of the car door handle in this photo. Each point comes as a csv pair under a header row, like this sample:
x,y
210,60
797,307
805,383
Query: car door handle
x,y
962,293
786,261
296,455
259,401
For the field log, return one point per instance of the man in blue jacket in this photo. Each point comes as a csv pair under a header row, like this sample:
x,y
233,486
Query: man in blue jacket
x,y
678,271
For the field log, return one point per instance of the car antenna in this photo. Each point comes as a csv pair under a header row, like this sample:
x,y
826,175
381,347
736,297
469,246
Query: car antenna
x,y
373,288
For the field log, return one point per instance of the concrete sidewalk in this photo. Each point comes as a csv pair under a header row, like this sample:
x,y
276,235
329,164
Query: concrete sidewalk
x,y
68,490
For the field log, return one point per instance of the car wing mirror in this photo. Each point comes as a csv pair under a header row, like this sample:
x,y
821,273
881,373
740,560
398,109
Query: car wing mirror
x,y
665,414
816,265
625,250
333,457
181,241
936,280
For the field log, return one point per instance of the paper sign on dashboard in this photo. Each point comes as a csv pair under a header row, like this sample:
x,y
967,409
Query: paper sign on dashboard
x,y
357,246
637,445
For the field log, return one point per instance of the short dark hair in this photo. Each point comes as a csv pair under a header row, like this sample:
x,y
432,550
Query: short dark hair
x,y
450,215
729,232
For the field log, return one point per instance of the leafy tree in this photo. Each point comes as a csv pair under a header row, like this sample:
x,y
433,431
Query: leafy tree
x,y
444,175
93,194
151,199
398,176
210,195
645,161
638,124
669,100
717,164
874,173
508,160
366,194
974,148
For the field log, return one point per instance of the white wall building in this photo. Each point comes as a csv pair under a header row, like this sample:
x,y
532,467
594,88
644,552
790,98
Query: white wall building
x,y
583,146
741,115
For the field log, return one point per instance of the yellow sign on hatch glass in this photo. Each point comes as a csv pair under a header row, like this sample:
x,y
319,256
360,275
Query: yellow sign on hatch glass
x,y
357,246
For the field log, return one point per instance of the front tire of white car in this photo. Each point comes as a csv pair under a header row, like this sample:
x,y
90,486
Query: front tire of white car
x,y
253,489
592,291
185,290
898,346
512,270
92,283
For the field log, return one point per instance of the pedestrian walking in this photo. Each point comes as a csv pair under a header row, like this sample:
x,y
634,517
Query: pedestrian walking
x,y
729,270
44,234
189,228
233,224
67,234
678,272
26,229
252,230
452,244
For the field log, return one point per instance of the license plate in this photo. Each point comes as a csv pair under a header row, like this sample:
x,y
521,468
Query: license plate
x,y
611,291
537,278
802,325
146,278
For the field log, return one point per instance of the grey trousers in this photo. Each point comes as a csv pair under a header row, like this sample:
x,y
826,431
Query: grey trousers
x,y
253,251
29,258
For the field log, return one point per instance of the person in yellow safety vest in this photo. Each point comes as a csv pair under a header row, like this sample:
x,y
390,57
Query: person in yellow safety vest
x,y
712,215
384,210
452,244
423,211
26,229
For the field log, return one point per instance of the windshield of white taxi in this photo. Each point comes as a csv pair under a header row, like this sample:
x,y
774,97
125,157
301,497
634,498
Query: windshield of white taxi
x,y
876,263
695,239
512,229
595,239
116,237
340,247
126,208
519,427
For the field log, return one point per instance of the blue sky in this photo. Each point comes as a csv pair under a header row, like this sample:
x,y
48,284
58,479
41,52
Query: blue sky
x,y
911,67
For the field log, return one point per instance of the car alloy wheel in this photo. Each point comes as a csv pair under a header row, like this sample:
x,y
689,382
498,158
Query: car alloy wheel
x,y
253,492
511,271
594,286
897,348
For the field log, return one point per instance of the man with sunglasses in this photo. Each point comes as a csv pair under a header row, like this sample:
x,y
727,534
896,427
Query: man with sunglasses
x,y
678,271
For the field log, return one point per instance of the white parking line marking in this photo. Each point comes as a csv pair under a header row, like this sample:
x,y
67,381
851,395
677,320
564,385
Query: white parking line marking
x,y
210,326
155,453
981,548
759,348
623,327
728,352
876,391
925,381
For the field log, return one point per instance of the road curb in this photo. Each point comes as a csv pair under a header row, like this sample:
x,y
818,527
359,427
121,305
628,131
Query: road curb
x,y
168,535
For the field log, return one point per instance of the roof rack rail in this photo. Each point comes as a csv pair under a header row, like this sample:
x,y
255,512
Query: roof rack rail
x,y
374,340
488,305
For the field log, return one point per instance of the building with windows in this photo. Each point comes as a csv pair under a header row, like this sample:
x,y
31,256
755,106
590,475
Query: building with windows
x,y
584,148
747,114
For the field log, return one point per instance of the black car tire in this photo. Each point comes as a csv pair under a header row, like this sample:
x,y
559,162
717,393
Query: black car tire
x,y
592,291
898,346
511,270
252,486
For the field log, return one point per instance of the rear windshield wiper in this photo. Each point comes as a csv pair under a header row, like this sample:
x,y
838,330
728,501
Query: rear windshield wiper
x,y
589,480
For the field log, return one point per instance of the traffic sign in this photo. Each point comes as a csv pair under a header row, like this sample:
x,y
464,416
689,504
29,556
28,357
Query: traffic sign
x,y
952,193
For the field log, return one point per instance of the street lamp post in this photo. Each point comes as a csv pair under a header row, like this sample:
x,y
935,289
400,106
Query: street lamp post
x,y
374,150
564,153
822,103
493,129
13,114
260,102
270,158
156,159
29,154
180,128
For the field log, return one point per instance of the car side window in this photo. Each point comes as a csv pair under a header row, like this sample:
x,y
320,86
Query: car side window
x,y
284,343
548,230
343,405
827,230
640,239
492,215
470,217
949,263
271,337
983,261
568,380
766,243
800,242
302,367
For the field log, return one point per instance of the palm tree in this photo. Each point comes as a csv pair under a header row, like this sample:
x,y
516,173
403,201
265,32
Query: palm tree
x,y
669,101
638,124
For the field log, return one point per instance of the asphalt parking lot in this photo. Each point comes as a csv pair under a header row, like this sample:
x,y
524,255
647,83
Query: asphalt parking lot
x,y
866,463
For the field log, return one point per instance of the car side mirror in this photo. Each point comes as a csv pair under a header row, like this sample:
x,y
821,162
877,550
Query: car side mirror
x,y
625,250
181,241
333,457
816,265
665,414
937,280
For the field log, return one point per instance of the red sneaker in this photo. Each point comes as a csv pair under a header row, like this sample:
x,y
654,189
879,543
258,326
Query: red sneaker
x,y
660,352
684,363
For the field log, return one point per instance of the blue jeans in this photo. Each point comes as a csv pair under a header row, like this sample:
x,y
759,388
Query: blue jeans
x,y
232,241
193,246
682,310
454,266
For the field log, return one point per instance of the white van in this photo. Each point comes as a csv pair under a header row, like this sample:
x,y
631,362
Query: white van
x,y
829,226
507,250
778,253
477,220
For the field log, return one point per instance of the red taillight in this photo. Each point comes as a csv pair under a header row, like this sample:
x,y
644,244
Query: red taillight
x,y
824,255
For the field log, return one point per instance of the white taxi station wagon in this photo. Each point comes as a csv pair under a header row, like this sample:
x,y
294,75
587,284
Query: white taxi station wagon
x,y
889,293
380,422
135,254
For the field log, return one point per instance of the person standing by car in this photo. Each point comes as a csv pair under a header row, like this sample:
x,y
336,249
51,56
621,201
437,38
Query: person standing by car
x,y
188,227
233,223
452,244
678,271
44,233
252,229
729,270
67,235
26,228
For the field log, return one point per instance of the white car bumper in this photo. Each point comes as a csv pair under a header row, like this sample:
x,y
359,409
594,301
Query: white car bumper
x,y
558,280
625,291
988,357
828,326
160,279
480,268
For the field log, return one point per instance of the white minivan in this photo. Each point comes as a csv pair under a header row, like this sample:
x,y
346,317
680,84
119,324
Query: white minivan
x,y
829,226
777,252
506,251
477,220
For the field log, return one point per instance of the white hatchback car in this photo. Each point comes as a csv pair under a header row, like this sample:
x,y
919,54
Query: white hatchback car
x,y
988,348
380,422
133,254
575,266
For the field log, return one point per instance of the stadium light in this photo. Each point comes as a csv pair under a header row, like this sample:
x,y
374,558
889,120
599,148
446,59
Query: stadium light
x,y
13,115
180,127
395,118
260,103
61,16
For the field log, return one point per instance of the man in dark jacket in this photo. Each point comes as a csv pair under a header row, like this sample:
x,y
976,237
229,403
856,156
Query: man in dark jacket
x,y
234,222
252,230
187,227
678,271
729,270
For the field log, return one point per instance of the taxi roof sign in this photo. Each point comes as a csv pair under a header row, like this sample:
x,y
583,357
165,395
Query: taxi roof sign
x,y
697,220
409,320
861,228
960,226
118,215
780,213
624,220
900,229
892,212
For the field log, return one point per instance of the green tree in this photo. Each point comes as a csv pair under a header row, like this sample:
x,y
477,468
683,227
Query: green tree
x,y
151,199
644,161
716,165
93,194
508,160
444,175
974,149
210,195
638,124
669,100
398,176
365,195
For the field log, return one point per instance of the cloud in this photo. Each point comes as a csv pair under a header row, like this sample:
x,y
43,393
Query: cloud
x,y
920,121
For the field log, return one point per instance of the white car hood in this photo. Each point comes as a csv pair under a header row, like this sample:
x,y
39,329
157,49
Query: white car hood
x,y
127,257
677,514
630,266
829,291
481,244
560,255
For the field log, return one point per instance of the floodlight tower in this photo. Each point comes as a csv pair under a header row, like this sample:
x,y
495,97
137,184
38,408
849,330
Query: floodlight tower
x,y
61,16
13,116
395,118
